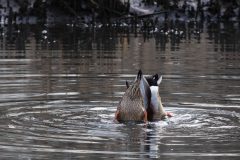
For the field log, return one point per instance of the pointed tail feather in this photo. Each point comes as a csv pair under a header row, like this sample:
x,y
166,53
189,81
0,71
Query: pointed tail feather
x,y
139,76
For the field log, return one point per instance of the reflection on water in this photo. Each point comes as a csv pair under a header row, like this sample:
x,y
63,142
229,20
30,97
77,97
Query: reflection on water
x,y
60,86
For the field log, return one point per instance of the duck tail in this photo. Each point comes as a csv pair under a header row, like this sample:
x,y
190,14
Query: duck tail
x,y
155,77
127,84
139,76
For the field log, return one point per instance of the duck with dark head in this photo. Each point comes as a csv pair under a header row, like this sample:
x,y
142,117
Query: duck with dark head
x,y
131,106
156,110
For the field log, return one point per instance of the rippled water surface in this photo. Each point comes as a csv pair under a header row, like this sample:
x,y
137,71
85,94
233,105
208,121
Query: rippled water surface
x,y
59,90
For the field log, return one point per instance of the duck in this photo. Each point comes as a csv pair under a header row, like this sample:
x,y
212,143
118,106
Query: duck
x,y
156,110
131,106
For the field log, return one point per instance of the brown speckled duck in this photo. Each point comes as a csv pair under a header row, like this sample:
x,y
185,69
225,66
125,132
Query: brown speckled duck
x,y
131,106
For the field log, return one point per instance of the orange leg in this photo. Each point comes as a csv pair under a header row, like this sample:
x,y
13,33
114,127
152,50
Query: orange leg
x,y
117,115
145,117
169,114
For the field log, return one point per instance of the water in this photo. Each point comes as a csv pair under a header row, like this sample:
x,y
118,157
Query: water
x,y
59,91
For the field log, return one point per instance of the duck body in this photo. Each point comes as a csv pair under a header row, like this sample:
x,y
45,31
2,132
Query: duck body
x,y
156,110
131,106
150,91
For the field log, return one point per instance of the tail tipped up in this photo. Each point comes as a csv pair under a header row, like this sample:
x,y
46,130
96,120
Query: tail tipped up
x,y
155,77
127,84
139,76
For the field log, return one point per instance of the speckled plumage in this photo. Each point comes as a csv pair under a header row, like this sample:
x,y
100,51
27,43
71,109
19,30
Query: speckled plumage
x,y
141,101
131,107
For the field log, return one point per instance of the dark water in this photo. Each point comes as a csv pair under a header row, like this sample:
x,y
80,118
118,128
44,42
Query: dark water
x,y
59,91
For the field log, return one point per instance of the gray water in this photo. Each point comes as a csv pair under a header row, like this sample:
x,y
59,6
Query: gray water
x,y
59,91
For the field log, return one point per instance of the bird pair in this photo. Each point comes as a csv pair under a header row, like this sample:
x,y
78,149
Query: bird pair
x,y
141,101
